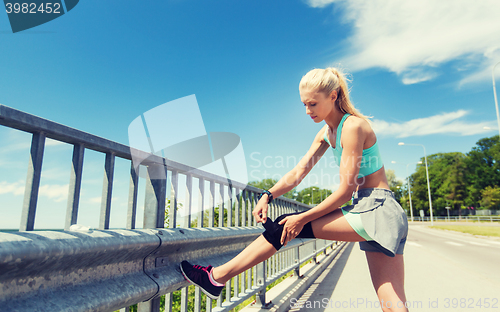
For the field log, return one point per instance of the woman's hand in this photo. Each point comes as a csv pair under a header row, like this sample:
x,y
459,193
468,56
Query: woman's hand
x,y
260,210
292,226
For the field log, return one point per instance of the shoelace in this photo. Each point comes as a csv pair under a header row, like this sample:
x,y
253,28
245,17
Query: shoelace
x,y
199,267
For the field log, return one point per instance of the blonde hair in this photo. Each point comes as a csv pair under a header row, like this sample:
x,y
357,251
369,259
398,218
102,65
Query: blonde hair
x,y
329,80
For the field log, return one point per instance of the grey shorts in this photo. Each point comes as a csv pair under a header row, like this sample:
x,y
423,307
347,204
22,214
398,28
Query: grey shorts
x,y
383,220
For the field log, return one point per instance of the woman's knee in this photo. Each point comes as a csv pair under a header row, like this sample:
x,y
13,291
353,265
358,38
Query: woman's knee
x,y
274,230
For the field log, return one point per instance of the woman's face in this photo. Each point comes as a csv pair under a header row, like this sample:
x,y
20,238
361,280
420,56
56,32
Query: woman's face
x,y
318,105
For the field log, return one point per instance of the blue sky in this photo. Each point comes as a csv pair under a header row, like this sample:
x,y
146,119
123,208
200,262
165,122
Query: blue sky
x,y
422,69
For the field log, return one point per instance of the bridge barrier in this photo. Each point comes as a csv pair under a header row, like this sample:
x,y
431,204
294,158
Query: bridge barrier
x,y
469,218
103,269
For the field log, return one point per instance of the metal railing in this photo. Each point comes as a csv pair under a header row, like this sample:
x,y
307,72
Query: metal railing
x,y
461,219
104,270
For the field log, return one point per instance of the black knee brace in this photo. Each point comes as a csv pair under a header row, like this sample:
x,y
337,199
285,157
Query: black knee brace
x,y
274,230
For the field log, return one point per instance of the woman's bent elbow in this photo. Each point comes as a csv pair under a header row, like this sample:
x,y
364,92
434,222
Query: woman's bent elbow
x,y
346,194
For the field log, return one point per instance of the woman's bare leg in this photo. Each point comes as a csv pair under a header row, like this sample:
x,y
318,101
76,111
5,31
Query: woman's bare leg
x,y
258,251
388,279
332,226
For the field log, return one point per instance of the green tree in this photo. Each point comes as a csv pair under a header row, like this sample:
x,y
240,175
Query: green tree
x,y
490,197
313,195
447,176
453,189
394,184
266,184
483,168
304,196
167,214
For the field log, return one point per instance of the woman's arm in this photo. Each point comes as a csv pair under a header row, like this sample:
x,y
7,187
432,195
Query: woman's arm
x,y
294,176
297,174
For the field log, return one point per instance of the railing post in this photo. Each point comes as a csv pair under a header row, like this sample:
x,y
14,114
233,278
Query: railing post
x,y
254,203
237,206
211,212
188,200
221,207
260,298
172,211
154,216
75,183
201,202
148,306
184,299
244,208
107,190
32,182
209,304
230,206
296,270
315,250
168,302
249,208
154,206
132,198
228,290
197,299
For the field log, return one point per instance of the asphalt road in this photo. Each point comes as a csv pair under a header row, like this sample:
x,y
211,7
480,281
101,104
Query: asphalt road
x,y
444,271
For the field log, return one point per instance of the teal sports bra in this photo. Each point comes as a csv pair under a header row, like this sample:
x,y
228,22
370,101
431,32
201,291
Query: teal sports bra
x,y
371,160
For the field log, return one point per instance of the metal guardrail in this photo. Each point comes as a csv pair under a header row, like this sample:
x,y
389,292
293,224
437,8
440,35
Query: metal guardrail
x,y
105,270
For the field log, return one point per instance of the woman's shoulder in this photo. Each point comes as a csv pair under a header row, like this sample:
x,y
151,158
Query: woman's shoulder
x,y
356,123
359,127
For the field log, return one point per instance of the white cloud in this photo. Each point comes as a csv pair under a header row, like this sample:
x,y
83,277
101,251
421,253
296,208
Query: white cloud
x,y
15,188
95,200
54,191
16,147
16,140
413,37
417,75
319,3
445,123
55,173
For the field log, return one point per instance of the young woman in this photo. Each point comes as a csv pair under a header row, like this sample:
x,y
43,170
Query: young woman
x,y
374,219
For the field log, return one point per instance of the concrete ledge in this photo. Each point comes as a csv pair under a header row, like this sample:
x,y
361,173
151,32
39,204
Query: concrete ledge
x,y
293,287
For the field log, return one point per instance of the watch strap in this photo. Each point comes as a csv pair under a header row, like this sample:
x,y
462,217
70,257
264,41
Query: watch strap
x,y
269,196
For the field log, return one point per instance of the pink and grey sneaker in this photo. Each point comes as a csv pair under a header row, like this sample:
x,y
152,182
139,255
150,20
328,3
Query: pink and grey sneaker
x,y
202,277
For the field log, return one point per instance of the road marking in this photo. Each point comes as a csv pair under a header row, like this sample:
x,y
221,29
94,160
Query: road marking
x,y
454,244
413,244
478,244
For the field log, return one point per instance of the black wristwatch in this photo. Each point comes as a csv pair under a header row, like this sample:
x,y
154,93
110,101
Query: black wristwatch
x,y
269,196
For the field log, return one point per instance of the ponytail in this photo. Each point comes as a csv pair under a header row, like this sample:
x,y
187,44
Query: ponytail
x,y
329,80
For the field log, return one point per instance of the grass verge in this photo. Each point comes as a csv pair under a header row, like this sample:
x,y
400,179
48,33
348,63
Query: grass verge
x,y
470,229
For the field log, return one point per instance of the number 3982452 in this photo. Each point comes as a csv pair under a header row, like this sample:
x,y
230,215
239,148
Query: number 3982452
x,y
33,8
